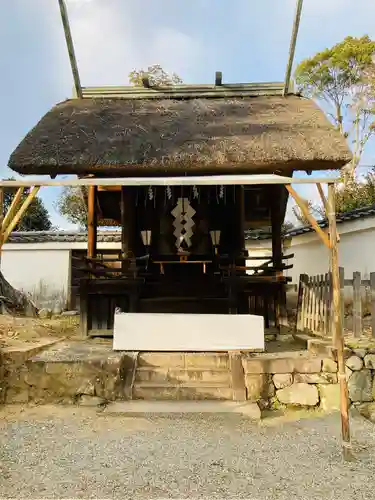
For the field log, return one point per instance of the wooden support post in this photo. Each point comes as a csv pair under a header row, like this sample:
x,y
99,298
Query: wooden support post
x,y
357,305
304,209
12,209
124,224
241,209
277,252
25,205
337,333
91,222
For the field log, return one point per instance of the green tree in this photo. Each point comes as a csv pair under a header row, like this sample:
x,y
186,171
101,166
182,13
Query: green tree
x,y
156,75
72,204
343,77
36,217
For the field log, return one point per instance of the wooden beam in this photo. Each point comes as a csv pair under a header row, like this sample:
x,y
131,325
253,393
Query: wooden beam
x,y
218,78
304,209
91,222
337,324
13,208
323,198
70,46
292,48
204,180
17,218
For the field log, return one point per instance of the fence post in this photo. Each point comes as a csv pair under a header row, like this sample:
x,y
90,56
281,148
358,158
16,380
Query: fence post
x,y
372,288
357,305
342,293
301,303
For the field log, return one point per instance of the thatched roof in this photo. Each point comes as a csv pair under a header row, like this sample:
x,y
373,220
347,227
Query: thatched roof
x,y
125,137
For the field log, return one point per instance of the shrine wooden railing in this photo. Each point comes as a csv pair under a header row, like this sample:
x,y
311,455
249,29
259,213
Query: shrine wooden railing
x,y
314,305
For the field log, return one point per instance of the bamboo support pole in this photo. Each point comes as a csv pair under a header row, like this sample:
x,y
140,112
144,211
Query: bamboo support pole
x,y
337,325
325,203
304,209
12,209
292,48
16,219
70,46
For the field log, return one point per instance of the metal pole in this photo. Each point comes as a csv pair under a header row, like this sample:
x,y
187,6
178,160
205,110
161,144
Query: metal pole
x,y
70,46
337,325
292,47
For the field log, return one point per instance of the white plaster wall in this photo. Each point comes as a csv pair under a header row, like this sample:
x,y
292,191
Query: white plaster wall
x,y
356,251
45,274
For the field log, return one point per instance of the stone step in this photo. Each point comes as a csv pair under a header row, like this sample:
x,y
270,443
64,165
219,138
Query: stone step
x,y
191,391
178,375
199,360
140,408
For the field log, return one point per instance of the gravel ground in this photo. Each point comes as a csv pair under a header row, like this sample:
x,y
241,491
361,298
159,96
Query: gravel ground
x,y
56,452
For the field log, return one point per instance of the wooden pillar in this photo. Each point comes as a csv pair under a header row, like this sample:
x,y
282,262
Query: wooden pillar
x,y
124,224
277,208
337,325
241,212
276,223
92,222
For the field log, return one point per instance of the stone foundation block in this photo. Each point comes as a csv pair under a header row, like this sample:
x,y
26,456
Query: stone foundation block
x,y
298,395
370,361
315,378
283,365
329,397
282,380
360,386
329,365
259,386
355,363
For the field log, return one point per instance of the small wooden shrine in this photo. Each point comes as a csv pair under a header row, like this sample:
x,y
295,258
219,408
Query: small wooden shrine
x,y
183,242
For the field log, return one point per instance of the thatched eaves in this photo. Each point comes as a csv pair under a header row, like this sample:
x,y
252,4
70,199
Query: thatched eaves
x,y
143,136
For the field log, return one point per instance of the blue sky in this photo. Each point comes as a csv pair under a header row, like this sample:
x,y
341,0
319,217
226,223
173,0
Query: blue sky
x,y
248,40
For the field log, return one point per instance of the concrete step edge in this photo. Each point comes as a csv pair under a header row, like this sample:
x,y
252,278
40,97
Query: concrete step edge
x,y
185,385
139,407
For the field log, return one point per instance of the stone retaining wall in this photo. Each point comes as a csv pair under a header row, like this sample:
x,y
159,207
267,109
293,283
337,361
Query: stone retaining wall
x,y
300,380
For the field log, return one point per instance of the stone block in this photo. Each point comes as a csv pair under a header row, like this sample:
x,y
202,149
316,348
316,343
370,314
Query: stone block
x,y
329,397
298,395
361,353
292,364
90,401
259,386
206,360
355,363
315,378
161,359
282,380
348,373
360,386
367,410
329,365
370,361
17,395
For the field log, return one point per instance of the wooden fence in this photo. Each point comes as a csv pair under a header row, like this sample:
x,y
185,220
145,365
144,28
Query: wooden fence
x,y
314,308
